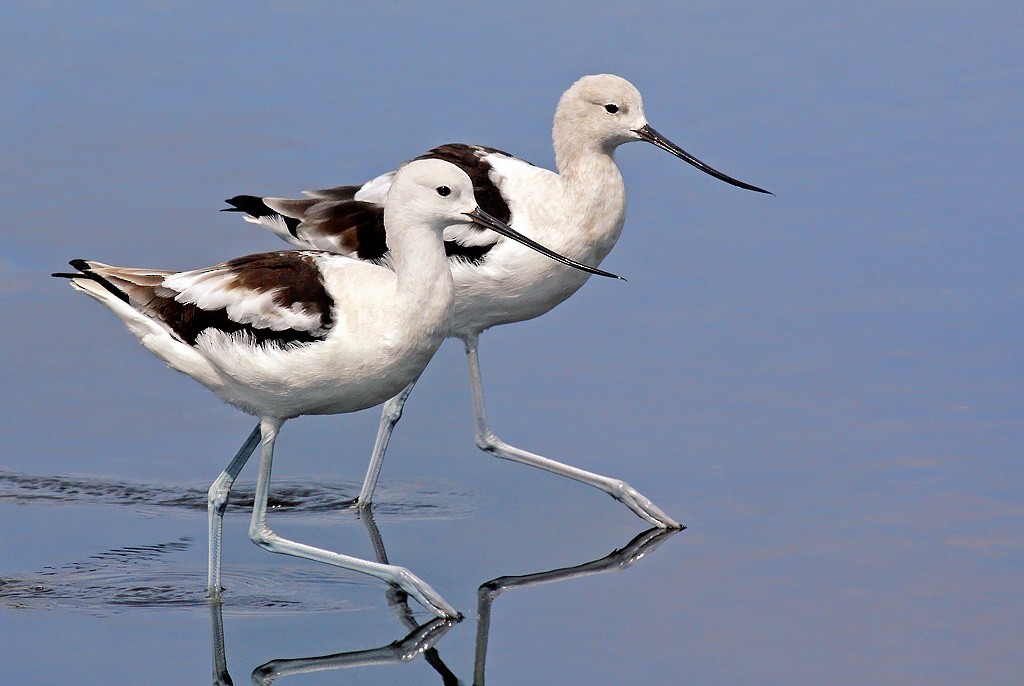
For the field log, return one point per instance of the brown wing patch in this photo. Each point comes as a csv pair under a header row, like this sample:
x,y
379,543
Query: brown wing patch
x,y
292,277
338,193
354,226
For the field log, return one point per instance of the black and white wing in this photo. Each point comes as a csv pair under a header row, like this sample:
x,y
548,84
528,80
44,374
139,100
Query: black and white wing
x,y
277,298
349,219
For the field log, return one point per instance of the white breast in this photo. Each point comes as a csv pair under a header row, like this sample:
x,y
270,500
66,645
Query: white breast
x,y
514,283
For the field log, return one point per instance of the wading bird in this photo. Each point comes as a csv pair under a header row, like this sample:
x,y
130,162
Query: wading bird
x,y
578,212
284,334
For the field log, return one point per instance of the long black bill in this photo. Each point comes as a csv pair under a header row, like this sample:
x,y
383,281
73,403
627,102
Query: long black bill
x,y
485,220
651,136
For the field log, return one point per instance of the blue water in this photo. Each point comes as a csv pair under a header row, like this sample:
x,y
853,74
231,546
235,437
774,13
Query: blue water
x,y
826,387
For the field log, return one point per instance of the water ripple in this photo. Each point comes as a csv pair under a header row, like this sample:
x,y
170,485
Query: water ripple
x,y
316,496
155,576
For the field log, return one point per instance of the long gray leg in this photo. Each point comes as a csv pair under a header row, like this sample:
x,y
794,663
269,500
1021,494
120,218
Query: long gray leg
x,y
399,600
262,536
487,441
389,416
217,502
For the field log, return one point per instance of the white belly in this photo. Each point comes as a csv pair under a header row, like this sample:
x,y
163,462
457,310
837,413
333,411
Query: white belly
x,y
328,377
503,291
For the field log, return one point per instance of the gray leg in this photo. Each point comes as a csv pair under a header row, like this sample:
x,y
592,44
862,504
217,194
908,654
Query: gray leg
x,y
262,536
397,598
616,488
217,502
389,416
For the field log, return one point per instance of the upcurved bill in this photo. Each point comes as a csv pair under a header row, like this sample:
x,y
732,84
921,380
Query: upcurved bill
x,y
651,136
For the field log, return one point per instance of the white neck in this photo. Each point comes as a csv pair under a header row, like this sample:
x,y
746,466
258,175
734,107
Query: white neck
x,y
423,276
592,184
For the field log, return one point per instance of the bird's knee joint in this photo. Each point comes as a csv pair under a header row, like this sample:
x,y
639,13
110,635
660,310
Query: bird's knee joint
x,y
619,489
487,441
262,536
217,498
403,578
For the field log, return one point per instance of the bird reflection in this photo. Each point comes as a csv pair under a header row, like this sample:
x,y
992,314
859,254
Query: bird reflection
x,y
421,638
641,545
415,642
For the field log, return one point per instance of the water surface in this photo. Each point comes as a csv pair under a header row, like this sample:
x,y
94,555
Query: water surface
x,y
826,386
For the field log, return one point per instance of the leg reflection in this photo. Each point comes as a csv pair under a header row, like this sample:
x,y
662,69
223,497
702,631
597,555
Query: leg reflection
x,y
220,660
398,600
402,650
641,545
421,638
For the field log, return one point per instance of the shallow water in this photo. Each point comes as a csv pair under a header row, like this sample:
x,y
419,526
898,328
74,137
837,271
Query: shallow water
x,y
826,387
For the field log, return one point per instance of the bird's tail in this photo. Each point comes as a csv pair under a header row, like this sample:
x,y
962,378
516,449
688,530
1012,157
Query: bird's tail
x,y
87,280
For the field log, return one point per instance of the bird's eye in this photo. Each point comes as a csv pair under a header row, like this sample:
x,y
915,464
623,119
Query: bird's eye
x,y
444,191
611,108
